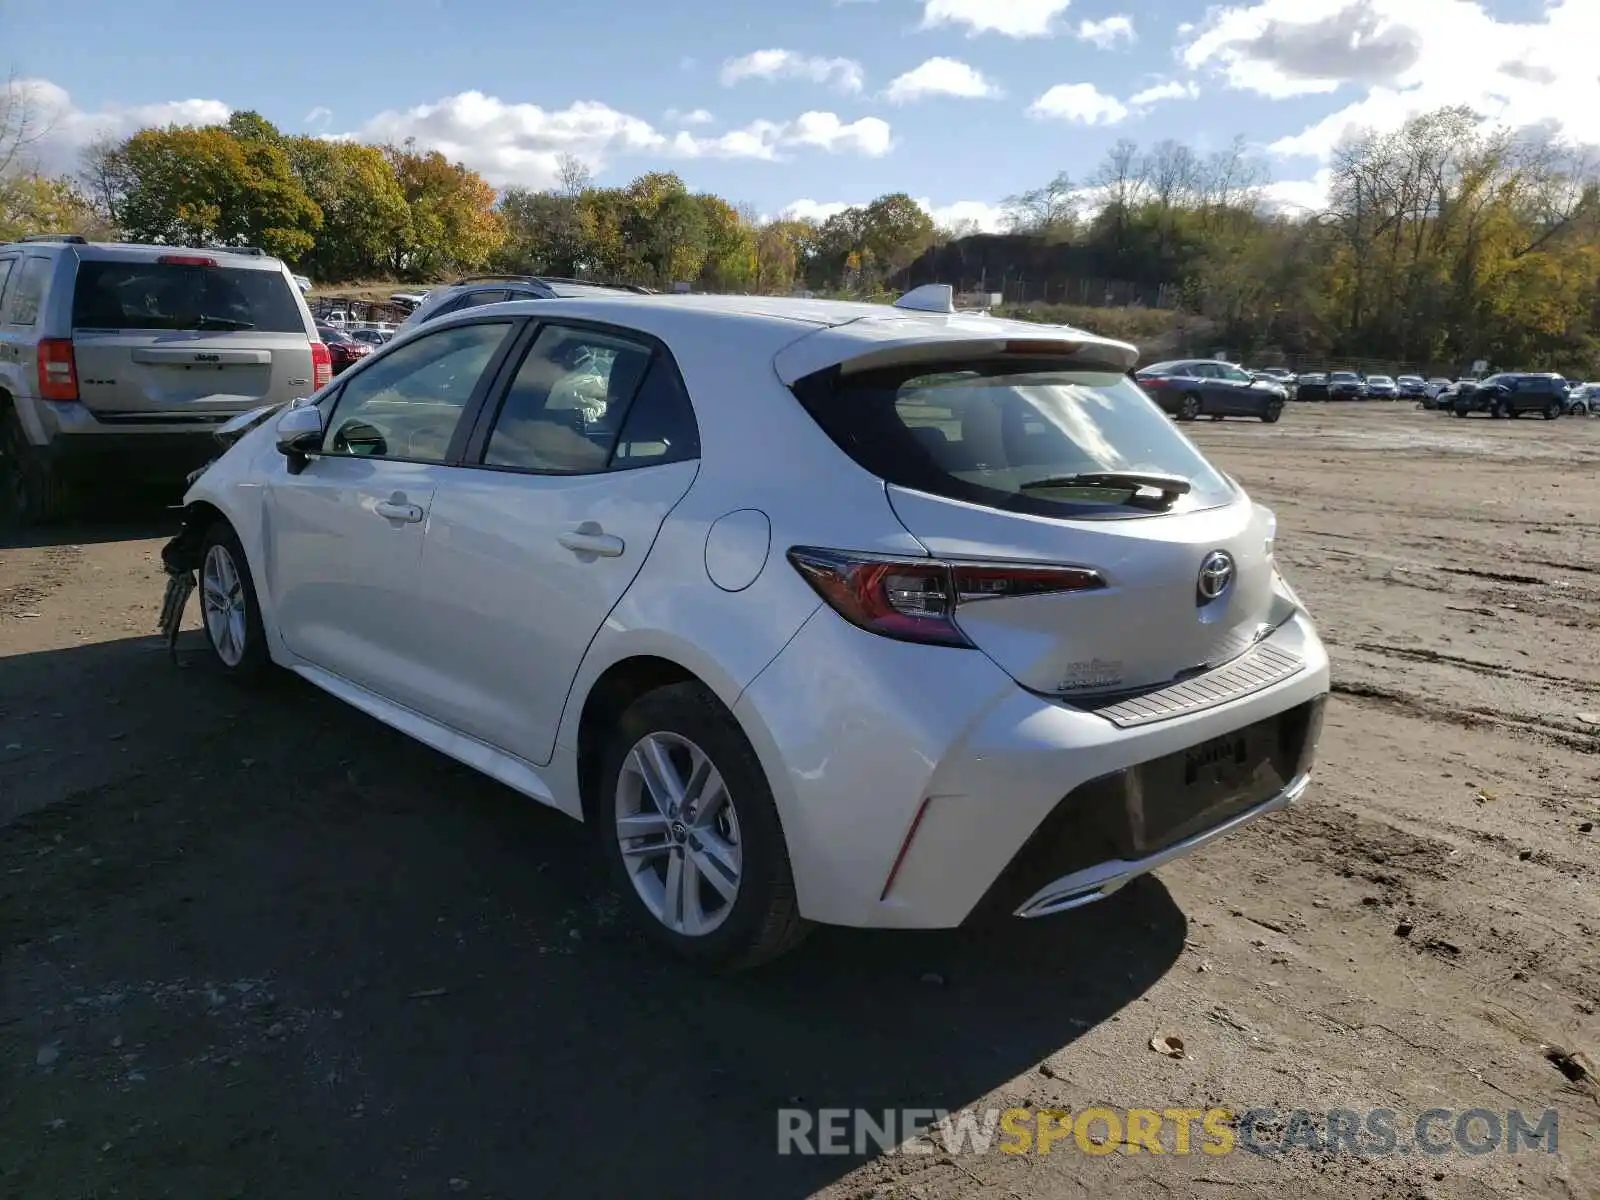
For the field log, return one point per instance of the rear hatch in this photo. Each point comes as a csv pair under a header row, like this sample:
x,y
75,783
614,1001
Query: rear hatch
x,y
1031,460
186,337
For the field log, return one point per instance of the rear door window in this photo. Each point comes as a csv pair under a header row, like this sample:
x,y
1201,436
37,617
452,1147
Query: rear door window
x,y
566,404
1012,436
26,293
180,296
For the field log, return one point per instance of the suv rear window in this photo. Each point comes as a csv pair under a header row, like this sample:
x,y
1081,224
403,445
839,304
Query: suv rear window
x,y
151,295
996,434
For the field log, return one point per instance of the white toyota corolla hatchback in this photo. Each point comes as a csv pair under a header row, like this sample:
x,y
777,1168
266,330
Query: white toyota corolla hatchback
x,y
816,612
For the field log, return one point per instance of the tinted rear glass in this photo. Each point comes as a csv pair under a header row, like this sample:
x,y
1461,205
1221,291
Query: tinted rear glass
x,y
133,295
994,434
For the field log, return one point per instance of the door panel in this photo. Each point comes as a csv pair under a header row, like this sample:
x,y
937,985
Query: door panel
x,y
518,573
344,540
344,536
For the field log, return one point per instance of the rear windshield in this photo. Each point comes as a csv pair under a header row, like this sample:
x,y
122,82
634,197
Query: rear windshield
x,y
1008,435
149,295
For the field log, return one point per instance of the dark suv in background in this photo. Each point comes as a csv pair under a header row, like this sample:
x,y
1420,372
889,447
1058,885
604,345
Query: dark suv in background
x,y
1513,394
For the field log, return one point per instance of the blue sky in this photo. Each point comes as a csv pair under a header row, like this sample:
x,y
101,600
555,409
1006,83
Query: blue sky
x,y
814,103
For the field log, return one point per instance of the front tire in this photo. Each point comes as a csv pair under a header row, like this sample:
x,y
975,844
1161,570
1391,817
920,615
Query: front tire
x,y
691,834
1552,411
229,609
1274,411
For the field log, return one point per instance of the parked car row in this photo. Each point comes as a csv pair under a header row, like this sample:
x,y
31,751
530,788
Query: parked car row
x,y
1518,393
1192,388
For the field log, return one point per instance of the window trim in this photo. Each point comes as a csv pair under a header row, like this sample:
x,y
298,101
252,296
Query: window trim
x,y
493,403
465,422
44,290
10,261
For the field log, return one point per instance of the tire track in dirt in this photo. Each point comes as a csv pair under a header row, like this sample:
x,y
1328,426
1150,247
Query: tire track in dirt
x,y
1422,655
52,569
1468,718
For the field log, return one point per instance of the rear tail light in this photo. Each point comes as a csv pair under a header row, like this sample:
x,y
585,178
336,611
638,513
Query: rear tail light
x,y
918,599
1153,381
321,365
187,260
58,370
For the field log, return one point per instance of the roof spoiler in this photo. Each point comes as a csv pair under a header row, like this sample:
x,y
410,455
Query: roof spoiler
x,y
893,346
930,297
71,239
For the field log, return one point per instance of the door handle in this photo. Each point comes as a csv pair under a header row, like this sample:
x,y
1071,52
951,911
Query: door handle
x,y
396,511
589,538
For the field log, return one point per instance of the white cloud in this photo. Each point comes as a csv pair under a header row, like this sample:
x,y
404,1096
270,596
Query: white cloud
x,y
989,218
1403,57
1297,197
697,116
1081,103
814,210
941,77
317,117
845,74
1012,18
520,143
1106,33
869,137
63,130
1160,92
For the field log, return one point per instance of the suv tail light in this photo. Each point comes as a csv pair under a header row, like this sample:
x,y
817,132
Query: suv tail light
x,y
321,365
58,370
917,599
187,260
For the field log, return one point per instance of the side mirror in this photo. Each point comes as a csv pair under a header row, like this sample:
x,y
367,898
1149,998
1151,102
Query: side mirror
x,y
300,436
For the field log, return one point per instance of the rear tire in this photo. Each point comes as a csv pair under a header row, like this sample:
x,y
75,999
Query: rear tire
x,y
32,491
1189,407
229,609
674,851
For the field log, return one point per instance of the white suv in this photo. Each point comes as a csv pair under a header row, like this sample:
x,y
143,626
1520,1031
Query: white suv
x,y
815,611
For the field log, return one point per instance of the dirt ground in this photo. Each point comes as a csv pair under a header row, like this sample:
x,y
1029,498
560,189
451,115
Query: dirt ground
x,y
255,944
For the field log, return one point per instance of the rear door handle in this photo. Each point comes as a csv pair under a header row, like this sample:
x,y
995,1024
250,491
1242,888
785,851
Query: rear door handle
x,y
589,538
395,511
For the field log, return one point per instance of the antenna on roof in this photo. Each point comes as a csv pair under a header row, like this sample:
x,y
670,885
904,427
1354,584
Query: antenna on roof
x,y
930,297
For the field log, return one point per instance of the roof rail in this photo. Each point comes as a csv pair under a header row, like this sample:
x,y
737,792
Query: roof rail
x,y
253,251
492,278
72,239
635,288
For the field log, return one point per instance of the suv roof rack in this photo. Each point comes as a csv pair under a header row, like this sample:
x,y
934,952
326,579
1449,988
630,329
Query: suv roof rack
x,y
493,278
73,239
252,251
620,287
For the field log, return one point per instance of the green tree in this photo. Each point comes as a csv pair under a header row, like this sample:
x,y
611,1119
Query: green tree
x,y
200,186
453,224
364,212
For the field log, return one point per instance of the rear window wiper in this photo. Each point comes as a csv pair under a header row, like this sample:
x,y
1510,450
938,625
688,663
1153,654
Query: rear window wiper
x,y
1170,486
207,321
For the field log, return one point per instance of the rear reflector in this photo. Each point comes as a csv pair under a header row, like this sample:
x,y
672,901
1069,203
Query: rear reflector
x,y
58,370
187,260
918,599
321,365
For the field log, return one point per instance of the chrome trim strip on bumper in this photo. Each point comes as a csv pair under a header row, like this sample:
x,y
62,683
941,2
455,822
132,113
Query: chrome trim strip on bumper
x,y
1097,882
1253,671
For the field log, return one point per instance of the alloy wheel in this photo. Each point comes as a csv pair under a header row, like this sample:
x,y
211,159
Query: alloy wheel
x,y
222,602
679,834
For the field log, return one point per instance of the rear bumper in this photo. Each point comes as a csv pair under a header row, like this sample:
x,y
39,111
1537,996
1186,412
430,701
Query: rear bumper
x,y
990,799
72,432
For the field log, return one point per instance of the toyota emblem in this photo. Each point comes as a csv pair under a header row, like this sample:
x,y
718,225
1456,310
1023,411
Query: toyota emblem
x,y
1216,573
